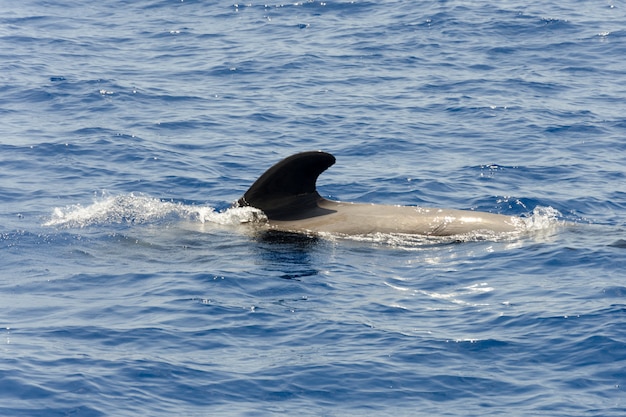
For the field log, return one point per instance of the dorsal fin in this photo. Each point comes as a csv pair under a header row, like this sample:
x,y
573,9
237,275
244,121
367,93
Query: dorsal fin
x,y
288,187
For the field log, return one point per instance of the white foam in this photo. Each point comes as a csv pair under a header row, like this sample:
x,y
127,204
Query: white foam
x,y
139,208
234,216
543,218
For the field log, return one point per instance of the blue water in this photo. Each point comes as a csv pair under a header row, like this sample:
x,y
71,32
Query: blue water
x,y
129,288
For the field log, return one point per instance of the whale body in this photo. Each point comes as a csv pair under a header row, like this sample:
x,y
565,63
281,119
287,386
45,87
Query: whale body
x,y
287,195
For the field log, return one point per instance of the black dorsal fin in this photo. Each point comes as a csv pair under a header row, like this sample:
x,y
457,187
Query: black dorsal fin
x,y
288,188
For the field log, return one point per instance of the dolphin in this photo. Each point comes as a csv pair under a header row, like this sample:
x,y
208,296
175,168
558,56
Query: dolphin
x,y
287,195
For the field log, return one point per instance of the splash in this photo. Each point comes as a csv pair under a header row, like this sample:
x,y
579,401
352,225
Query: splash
x,y
141,209
542,218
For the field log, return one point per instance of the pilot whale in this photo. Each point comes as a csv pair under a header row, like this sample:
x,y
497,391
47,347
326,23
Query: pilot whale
x,y
287,195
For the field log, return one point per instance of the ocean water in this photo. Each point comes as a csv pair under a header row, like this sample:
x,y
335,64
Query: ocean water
x,y
128,286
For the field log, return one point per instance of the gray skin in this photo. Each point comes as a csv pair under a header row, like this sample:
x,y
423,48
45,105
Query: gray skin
x,y
359,219
287,194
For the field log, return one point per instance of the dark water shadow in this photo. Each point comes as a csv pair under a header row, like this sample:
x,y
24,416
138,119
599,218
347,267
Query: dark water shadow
x,y
287,255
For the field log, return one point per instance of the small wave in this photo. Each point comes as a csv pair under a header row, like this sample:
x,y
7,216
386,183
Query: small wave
x,y
140,209
456,296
